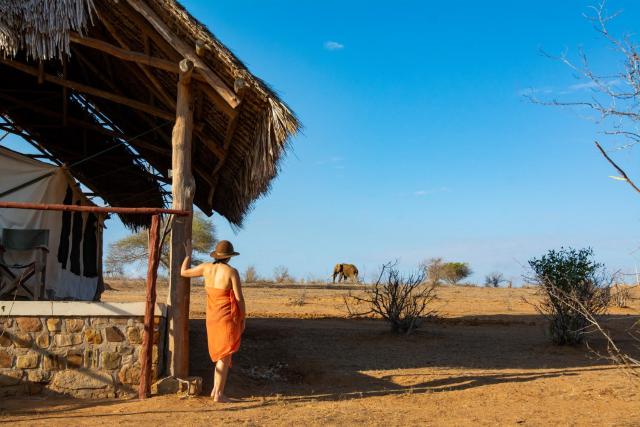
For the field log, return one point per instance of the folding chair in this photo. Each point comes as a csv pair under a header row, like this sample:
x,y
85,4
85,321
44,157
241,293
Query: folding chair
x,y
14,278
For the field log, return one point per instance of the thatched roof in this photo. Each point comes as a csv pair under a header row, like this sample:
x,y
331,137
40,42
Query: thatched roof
x,y
236,148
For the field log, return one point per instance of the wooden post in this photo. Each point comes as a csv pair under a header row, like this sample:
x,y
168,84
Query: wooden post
x,y
183,189
147,340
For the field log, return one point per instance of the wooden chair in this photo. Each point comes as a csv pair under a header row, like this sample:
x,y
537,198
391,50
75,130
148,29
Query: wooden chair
x,y
15,278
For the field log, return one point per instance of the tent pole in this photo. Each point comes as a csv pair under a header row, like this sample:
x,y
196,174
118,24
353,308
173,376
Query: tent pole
x,y
183,189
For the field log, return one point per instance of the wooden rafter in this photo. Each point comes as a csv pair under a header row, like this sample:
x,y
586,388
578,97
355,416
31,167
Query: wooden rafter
x,y
124,53
89,90
159,89
187,52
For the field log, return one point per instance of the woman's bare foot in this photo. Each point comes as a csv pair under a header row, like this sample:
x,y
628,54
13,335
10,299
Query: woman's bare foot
x,y
221,399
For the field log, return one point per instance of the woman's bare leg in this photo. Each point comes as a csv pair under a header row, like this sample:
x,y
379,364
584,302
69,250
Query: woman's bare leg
x,y
220,379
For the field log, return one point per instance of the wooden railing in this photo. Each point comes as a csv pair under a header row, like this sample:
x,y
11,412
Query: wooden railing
x,y
144,389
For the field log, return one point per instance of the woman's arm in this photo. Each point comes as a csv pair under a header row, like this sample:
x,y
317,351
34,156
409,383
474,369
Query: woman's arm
x,y
237,290
185,271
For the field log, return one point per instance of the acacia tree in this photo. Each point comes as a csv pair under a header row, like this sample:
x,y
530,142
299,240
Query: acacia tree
x,y
134,248
454,272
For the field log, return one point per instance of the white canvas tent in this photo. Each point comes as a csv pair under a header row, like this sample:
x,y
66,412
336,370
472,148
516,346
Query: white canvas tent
x,y
73,267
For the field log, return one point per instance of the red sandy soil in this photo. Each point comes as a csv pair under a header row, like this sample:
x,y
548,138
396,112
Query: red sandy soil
x,y
487,361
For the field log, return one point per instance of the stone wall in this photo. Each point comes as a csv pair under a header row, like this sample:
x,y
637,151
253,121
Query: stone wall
x,y
83,356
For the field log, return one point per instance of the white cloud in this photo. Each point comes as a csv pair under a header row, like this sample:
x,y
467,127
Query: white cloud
x,y
333,45
420,193
593,85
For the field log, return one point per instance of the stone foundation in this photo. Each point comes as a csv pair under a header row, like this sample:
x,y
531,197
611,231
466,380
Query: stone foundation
x,y
87,350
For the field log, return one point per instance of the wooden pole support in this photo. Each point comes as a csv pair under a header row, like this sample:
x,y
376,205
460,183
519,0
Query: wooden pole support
x,y
183,190
147,341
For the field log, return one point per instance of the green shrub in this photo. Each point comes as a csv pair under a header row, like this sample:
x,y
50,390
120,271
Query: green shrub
x,y
573,289
454,272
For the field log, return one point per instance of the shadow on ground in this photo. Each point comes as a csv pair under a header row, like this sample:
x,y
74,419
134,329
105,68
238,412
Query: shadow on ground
x,y
341,358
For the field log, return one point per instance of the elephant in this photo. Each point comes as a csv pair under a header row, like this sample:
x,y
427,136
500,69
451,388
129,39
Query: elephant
x,y
344,272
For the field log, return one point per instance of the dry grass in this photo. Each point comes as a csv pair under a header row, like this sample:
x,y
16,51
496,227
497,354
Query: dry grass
x,y
486,362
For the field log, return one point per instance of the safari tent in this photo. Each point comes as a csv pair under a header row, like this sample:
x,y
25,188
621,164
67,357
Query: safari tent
x,y
72,267
146,108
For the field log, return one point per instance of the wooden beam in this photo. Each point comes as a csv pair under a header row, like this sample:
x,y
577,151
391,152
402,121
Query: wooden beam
x,y
183,190
93,209
146,353
211,145
160,90
65,91
150,121
132,103
186,51
40,72
124,54
227,143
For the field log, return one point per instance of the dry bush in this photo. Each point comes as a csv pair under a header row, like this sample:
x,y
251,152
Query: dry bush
x,y
251,274
570,274
621,296
433,270
614,354
281,275
403,301
299,300
493,280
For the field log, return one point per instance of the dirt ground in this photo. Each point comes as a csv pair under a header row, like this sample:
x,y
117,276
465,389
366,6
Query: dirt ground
x,y
487,361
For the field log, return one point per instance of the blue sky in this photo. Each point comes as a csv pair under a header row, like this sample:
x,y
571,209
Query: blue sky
x,y
418,142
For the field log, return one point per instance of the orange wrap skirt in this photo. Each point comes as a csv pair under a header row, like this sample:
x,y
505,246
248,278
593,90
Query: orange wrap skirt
x,y
224,323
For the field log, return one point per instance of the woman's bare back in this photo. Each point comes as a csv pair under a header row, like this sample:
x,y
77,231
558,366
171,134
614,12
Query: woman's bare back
x,y
218,276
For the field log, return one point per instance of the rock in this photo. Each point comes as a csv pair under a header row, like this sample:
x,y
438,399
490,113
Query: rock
x,y
12,390
38,376
110,360
27,361
52,362
167,385
173,385
12,377
34,388
114,334
29,324
74,325
154,354
91,358
43,341
74,360
6,360
5,341
71,379
92,336
129,374
134,335
23,340
54,325
195,385
66,340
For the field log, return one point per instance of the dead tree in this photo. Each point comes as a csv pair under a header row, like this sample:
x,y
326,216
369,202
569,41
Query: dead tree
x,y
404,301
614,96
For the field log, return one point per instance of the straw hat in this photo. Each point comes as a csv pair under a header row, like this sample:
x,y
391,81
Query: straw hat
x,y
224,249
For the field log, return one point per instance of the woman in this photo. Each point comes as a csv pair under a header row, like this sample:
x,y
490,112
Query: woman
x,y
225,310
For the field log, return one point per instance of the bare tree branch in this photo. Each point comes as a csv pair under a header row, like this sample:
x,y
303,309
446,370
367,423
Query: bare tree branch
x,y
620,171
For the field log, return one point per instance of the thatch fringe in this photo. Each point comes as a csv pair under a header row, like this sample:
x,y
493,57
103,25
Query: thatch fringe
x,y
41,27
